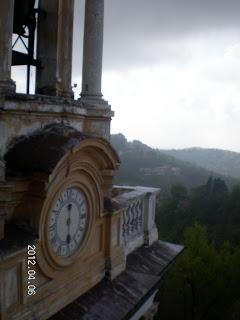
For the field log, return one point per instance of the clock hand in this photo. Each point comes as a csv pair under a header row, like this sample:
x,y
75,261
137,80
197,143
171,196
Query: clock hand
x,y
69,207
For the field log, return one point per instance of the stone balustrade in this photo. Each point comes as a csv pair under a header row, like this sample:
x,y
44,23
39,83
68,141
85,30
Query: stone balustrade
x,y
138,221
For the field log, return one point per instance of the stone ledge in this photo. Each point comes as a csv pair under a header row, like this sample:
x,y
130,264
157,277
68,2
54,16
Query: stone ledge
x,y
19,102
123,297
40,98
127,193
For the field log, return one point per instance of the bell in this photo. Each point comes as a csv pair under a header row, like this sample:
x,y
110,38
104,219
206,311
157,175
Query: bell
x,y
23,15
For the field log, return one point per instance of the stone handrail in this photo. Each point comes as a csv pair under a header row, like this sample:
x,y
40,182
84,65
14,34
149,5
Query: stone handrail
x,y
138,222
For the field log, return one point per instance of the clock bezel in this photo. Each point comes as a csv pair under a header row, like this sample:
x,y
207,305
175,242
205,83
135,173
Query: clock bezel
x,y
55,261
52,214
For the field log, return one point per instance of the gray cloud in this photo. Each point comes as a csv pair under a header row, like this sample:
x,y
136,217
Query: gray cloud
x,y
138,31
169,16
194,48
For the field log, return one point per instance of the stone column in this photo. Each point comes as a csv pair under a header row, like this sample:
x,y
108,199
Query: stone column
x,y
54,48
93,49
6,30
2,207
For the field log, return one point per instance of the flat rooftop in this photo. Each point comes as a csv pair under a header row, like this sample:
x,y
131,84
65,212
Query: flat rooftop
x,y
121,298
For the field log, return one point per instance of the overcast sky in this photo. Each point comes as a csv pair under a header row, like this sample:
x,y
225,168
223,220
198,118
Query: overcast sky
x,y
171,70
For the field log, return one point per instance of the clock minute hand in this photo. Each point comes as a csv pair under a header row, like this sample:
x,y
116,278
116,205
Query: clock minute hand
x,y
69,207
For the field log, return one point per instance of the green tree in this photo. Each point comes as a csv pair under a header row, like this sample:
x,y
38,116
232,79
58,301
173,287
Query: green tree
x,y
203,285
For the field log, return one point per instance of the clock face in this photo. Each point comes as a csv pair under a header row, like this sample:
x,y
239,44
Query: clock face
x,y
68,222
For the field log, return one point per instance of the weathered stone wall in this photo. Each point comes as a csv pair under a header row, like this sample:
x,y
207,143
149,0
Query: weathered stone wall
x,y
21,115
88,166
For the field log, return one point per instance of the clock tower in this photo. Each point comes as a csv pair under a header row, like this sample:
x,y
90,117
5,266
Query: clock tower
x,y
64,228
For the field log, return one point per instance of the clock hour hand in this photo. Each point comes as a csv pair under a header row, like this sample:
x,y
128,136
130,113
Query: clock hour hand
x,y
68,239
69,207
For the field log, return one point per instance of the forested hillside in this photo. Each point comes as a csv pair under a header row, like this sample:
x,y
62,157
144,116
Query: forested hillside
x,y
204,283
142,165
201,209
221,161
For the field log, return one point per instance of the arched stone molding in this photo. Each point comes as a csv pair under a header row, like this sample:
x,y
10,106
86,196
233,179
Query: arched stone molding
x,y
87,163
